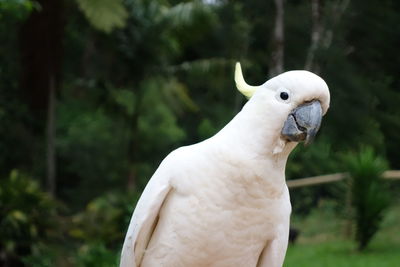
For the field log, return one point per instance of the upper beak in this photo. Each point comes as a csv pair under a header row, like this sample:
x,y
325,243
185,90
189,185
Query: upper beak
x,y
303,123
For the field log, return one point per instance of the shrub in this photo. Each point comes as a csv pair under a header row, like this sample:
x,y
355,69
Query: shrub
x,y
96,255
368,193
26,217
100,229
105,219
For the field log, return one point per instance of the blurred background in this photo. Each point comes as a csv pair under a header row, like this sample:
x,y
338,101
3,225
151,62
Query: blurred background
x,y
95,93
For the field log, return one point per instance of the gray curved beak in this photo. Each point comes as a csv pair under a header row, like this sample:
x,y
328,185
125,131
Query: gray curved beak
x,y
303,123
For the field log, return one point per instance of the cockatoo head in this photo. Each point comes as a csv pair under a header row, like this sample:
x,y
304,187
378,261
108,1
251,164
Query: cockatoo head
x,y
293,102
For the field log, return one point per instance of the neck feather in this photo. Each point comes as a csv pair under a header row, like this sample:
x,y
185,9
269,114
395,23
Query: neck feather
x,y
255,136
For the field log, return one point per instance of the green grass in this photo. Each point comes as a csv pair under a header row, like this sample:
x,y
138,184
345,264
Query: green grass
x,y
340,253
322,242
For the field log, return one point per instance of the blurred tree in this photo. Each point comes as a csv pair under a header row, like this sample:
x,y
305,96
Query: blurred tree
x,y
153,38
14,136
372,53
278,40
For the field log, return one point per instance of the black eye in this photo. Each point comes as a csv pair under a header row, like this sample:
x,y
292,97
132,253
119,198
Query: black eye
x,y
284,96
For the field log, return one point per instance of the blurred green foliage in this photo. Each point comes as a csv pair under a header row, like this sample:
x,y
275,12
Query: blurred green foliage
x,y
104,15
102,220
17,8
96,254
136,79
98,229
28,217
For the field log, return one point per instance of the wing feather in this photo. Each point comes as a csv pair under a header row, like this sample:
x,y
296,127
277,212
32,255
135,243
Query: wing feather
x,y
144,220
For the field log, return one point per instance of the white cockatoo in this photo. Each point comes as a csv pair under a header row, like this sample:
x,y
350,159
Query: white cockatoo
x,y
224,201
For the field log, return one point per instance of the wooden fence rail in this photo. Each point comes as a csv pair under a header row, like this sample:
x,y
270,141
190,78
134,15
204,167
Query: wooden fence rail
x,y
329,178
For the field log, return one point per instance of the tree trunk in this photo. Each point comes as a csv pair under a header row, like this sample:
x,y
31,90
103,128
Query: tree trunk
x,y
133,153
338,9
277,55
322,33
41,50
41,39
316,33
51,136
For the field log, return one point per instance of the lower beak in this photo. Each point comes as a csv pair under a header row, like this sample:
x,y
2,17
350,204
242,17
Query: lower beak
x,y
303,123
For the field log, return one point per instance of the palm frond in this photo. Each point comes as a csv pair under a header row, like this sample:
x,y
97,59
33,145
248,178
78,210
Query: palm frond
x,y
104,15
201,66
186,14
